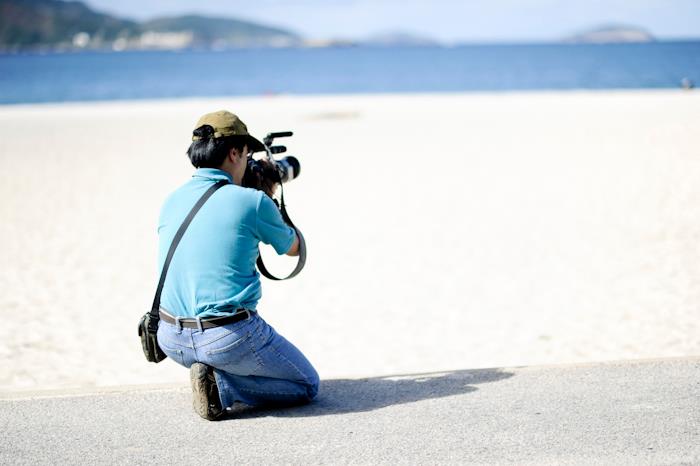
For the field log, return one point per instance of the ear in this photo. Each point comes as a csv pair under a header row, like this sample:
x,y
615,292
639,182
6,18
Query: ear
x,y
233,154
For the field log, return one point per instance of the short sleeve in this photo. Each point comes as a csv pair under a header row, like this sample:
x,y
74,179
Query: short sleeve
x,y
270,227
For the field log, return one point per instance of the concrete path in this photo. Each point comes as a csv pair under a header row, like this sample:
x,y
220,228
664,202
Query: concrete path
x,y
645,412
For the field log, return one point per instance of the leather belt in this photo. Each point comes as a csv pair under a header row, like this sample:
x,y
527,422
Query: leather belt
x,y
210,322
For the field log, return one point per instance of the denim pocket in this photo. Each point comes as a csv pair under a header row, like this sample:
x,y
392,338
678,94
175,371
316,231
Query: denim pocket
x,y
234,354
229,346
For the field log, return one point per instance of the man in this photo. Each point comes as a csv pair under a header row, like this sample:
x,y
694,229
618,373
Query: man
x,y
209,321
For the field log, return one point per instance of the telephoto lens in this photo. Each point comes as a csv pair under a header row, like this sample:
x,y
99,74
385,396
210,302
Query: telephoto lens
x,y
288,168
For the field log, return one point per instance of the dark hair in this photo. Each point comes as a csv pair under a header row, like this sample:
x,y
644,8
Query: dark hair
x,y
210,152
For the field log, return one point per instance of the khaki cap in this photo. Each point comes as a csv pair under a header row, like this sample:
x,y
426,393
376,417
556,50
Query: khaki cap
x,y
227,124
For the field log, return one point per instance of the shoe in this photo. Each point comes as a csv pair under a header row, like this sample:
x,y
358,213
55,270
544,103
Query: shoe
x,y
205,393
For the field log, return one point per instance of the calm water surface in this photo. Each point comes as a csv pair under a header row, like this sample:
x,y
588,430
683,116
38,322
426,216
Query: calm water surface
x,y
145,75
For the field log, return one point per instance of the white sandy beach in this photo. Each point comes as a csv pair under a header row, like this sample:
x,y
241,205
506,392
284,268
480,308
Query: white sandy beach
x,y
446,231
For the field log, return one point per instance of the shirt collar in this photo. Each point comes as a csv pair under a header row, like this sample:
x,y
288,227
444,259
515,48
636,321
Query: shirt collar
x,y
212,174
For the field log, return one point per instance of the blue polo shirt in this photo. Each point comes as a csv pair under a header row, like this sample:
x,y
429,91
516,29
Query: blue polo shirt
x,y
213,270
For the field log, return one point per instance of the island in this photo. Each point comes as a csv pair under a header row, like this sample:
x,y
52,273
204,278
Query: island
x,y
611,34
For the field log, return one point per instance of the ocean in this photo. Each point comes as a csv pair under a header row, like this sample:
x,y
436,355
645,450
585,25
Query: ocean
x,y
92,76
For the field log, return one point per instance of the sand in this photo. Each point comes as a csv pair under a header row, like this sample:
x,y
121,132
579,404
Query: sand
x,y
447,231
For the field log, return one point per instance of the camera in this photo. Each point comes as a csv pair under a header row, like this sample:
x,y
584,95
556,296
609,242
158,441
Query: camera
x,y
264,173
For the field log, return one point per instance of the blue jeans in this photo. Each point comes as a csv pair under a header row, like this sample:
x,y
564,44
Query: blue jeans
x,y
252,362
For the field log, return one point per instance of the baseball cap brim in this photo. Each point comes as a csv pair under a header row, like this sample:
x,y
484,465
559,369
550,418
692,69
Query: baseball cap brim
x,y
255,145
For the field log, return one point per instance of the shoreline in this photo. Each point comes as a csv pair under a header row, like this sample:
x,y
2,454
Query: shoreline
x,y
168,101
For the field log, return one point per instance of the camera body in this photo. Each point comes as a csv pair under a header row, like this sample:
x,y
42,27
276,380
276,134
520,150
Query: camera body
x,y
264,173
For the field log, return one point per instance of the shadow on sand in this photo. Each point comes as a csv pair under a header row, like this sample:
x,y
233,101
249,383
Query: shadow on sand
x,y
358,395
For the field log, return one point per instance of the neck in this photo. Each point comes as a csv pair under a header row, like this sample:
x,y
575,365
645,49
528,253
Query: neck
x,y
237,177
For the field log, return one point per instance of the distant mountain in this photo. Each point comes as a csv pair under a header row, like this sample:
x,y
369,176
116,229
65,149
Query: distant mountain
x,y
56,24
399,39
611,34
222,31
42,23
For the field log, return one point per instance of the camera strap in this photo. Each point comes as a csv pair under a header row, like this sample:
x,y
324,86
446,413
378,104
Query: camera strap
x,y
302,245
178,236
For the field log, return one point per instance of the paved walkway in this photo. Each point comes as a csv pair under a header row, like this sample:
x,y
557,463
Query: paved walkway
x,y
645,412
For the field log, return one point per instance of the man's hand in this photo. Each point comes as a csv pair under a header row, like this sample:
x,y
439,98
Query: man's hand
x,y
270,188
265,183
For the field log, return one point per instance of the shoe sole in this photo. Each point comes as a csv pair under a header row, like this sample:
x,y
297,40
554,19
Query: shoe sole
x,y
200,396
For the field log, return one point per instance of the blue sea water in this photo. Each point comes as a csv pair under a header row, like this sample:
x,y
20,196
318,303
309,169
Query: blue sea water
x,y
88,76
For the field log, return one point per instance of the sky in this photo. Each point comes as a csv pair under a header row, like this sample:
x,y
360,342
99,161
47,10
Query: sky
x,y
445,20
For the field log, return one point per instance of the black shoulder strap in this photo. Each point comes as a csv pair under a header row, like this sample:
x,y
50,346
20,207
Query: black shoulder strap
x,y
176,241
302,246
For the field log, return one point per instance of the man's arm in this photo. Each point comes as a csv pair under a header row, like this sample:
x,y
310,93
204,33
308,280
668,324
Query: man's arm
x,y
294,250
271,228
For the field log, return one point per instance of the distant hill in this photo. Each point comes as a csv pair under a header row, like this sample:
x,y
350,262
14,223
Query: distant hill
x,y
223,31
611,34
41,23
399,39
56,24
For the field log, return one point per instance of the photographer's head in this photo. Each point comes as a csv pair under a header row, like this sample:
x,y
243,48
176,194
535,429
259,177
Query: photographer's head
x,y
221,140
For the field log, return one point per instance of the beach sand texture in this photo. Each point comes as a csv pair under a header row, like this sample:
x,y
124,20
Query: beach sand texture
x,y
445,231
